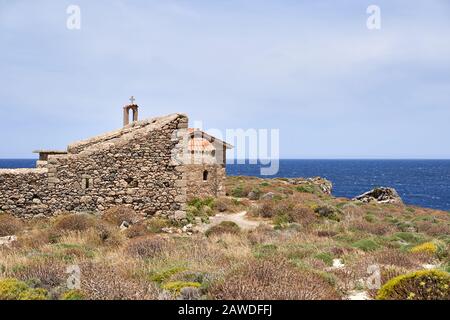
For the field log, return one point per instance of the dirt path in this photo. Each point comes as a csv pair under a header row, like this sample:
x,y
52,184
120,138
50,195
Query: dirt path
x,y
239,218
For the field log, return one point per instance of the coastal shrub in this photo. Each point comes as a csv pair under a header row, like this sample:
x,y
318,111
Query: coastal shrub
x,y
281,221
200,203
398,258
370,217
266,209
410,237
118,214
366,245
222,205
45,273
146,247
271,279
265,250
73,294
376,228
74,222
427,247
239,191
34,294
326,257
101,281
326,233
136,230
176,286
13,289
9,225
418,285
328,212
302,214
223,227
156,224
166,274
433,228
305,188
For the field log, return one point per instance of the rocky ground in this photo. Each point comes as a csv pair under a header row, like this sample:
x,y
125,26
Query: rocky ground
x,y
267,239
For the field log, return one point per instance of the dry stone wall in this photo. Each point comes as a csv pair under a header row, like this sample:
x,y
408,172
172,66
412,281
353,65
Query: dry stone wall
x,y
131,167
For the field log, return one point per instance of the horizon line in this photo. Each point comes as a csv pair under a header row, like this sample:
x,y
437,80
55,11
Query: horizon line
x,y
265,159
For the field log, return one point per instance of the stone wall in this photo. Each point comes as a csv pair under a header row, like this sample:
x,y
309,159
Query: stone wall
x,y
131,167
197,187
21,190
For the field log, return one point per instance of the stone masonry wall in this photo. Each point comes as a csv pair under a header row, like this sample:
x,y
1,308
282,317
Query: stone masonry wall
x,y
130,167
21,190
212,187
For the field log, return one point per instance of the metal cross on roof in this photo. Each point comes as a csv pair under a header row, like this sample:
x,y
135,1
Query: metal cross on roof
x,y
132,99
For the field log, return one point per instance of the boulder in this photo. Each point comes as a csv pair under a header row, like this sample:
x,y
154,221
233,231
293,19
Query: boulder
x,y
380,195
7,241
189,293
268,196
253,195
323,184
124,225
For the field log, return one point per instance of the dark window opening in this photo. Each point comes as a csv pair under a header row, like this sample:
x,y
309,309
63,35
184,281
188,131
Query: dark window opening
x,y
87,183
205,175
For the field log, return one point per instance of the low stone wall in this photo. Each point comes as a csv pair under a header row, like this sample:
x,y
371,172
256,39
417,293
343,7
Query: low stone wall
x,y
22,191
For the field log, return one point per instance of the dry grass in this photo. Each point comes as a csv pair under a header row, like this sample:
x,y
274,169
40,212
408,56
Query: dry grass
x,y
101,281
119,214
9,225
146,247
290,259
272,280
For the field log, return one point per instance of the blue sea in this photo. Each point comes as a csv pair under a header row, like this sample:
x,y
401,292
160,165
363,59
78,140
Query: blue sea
x,y
424,183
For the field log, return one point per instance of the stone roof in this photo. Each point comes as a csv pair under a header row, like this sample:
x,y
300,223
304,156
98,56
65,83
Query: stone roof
x,y
122,135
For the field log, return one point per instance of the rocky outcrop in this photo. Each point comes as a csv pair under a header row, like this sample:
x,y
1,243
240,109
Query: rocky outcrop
x,y
323,184
380,195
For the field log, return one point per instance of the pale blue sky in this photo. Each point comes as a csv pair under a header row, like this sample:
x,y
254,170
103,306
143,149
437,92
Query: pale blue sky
x,y
309,68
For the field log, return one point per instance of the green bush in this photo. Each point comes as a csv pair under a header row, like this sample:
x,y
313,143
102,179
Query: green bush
x,y
156,224
327,258
265,250
223,227
34,294
239,192
410,237
13,289
328,212
176,286
73,295
164,275
200,203
418,285
370,217
306,188
366,245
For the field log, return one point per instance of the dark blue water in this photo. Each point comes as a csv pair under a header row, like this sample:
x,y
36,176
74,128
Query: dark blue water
x,y
424,183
